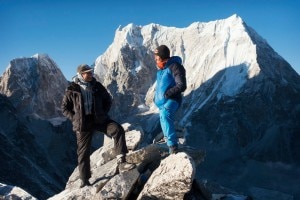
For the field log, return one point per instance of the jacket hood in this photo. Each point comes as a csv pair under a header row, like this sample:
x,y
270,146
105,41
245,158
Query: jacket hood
x,y
76,79
174,59
74,86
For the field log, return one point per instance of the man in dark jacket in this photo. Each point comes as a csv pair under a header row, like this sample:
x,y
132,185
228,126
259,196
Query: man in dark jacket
x,y
87,103
170,83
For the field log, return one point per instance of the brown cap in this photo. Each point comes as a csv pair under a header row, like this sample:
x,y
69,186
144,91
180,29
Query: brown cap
x,y
162,51
84,68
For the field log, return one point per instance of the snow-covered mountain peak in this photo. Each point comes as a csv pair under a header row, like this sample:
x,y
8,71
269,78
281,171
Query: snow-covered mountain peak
x,y
206,49
40,55
46,61
223,55
233,19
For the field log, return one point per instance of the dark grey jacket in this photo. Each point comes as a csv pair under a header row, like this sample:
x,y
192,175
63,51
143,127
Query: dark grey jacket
x,y
73,105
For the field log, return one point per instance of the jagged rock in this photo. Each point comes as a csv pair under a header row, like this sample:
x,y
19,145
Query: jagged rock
x,y
149,153
172,179
155,152
108,183
133,139
100,176
103,162
120,186
8,192
103,167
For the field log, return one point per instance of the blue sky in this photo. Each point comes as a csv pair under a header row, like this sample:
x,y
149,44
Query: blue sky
x,y
73,32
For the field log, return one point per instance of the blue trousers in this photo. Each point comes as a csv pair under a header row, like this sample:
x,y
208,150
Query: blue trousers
x,y
167,115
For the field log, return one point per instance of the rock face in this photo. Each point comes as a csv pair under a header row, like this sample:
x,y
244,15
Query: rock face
x,y
35,155
156,176
172,179
34,85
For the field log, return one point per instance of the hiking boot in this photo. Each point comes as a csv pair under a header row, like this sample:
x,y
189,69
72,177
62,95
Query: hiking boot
x,y
123,165
173,149
160,141
85,183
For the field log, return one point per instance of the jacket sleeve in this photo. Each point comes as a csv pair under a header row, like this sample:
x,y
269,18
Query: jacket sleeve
x,y
67,106
178,72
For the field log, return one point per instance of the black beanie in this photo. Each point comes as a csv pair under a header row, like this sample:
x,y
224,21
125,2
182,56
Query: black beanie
x,y
163,52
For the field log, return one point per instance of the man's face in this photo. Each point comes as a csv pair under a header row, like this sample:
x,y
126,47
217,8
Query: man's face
x,y
87,76
159,62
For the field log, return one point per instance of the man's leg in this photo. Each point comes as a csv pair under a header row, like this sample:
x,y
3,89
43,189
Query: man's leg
x,y
167,114
83,152
116,131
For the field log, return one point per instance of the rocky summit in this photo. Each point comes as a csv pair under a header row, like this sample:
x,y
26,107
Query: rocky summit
x,y
34,85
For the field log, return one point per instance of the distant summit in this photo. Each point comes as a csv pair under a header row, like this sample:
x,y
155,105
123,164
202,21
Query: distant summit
x,y
34,85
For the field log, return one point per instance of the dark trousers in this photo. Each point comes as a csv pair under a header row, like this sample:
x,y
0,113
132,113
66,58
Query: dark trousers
x,y
84,140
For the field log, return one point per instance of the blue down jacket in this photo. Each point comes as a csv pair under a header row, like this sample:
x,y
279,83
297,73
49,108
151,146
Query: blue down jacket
x,y
170,82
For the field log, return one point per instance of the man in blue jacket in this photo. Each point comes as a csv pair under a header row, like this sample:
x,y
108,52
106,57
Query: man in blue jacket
x,y
170,83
